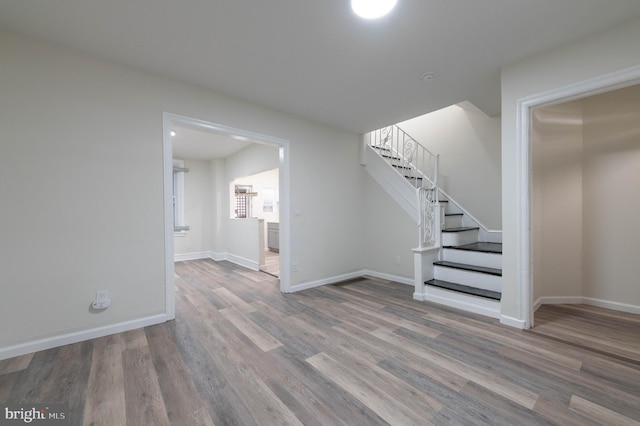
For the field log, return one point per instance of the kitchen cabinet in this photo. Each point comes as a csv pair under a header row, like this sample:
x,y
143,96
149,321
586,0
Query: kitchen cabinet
x,y
273,236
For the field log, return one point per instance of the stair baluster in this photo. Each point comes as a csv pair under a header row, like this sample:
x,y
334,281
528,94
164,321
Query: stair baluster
x,y
420,168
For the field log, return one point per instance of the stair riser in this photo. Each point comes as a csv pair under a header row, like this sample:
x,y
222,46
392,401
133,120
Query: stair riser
x,y
490,260
453,221
454,299
459,238
469,278
397,162
450,208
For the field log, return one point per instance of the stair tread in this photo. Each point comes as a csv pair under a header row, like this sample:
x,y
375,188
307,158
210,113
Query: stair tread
x,y
461,229
473,268
454,214
383,152
479,246
465,289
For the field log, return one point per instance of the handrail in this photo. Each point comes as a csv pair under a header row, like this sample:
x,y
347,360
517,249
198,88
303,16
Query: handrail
x,y
420,167
408,156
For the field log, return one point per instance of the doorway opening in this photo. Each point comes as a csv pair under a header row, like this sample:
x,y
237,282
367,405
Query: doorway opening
x,y
256,196
527,237
219,231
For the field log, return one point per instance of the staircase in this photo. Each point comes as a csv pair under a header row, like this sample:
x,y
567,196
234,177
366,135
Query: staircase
x,y
467,265
468,272
459,267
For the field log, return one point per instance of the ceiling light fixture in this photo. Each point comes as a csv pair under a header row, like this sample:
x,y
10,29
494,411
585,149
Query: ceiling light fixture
x,y
173,133
428,76
372,9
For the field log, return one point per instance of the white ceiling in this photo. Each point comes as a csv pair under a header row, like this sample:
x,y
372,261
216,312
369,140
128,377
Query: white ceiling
x,y
202,145
316,59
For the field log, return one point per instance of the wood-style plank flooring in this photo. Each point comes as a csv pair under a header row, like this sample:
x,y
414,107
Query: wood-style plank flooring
x,y
359,353
271,263
613,333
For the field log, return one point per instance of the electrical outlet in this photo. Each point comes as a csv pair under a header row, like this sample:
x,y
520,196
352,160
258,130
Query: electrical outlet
x,y
102,300
397,260
294,266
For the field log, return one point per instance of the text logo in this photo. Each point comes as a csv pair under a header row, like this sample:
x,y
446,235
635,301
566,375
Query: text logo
x,y
37,414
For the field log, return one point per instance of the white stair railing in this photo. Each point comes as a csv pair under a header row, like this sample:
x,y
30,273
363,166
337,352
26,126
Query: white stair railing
x,y
419,166
408,156
430,217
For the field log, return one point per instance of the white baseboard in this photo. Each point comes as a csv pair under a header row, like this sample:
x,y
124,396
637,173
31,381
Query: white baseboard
x,y
513,322
577,300
537,304
557,300
247,263
217,256
325,281
616,306
79,336
388,277
191,256
350,276
238,260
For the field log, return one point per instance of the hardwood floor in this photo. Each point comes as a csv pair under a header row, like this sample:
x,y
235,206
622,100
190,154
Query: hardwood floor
x,y
613,333
272,263
358,353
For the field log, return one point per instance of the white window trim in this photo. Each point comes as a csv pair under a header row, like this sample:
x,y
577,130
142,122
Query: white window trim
x,y
247,195
178,199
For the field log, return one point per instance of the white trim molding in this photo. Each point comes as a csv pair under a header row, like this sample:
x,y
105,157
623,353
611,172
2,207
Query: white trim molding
x,y
362,273
578,300
169,270
558,300
247,263
79,336
599,84
168,121
513,322
238,260
387,277
217,256
615,306
191,256
325,281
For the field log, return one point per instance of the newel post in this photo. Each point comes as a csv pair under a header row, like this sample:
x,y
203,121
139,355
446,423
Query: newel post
x,y
423,258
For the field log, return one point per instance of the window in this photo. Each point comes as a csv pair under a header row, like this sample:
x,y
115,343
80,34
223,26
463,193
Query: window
x,y
178,196
243,201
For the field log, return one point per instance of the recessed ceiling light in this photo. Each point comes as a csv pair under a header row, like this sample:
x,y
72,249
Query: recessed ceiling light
x,y
371,9
173,133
